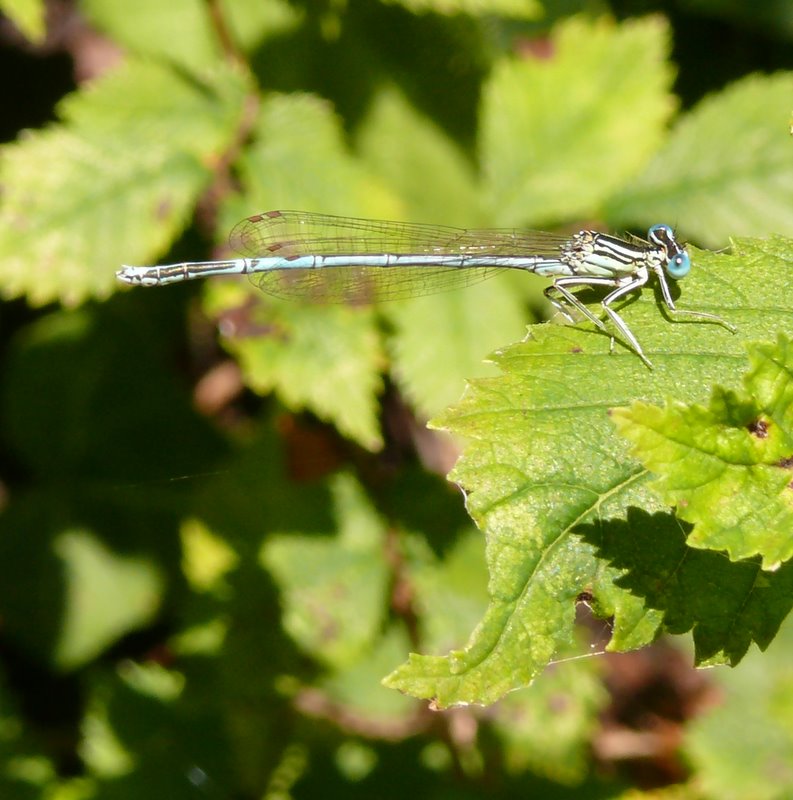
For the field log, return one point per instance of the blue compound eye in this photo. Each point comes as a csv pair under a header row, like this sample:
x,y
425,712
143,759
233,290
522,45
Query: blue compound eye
x,y
679,265
660,234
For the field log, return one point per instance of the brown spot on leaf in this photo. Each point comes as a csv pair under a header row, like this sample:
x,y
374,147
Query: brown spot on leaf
x,y
758,428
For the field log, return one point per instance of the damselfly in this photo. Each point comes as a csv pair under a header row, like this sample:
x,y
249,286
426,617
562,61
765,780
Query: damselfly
x,y
325,258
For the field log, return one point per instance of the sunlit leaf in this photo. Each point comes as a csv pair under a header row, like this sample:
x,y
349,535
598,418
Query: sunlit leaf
x,y
27,15
297,138
356,687
451,593
333,589
422,164
726,466
107,595
327,359
727,169
115,182
440,341
555,138
528,9
180,30
544,462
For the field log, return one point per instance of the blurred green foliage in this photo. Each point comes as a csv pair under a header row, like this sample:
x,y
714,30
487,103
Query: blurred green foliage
x,y
223,520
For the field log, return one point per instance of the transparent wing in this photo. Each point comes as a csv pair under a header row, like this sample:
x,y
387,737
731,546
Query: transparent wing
x,y
291,234
366,285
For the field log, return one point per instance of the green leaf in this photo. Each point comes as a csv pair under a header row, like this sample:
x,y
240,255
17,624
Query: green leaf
x,y
726,605
106,596
298,137
356,686
327,359
28,16
80,593
182,31
742,747
450,593
521,9
727,169
115,182
179,31
206,558
549,727
543,462
556,139
333,590
155,724
81,411
440,341
416,159
726,467
251,23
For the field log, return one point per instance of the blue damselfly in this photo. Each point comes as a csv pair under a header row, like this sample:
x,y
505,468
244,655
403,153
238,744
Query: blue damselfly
x,y
324,258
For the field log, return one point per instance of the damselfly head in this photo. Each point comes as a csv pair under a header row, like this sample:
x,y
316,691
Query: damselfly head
x,y
678,263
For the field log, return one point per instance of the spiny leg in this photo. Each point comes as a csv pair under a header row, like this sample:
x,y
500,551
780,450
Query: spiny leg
x,y
619,322
675,311
561,285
